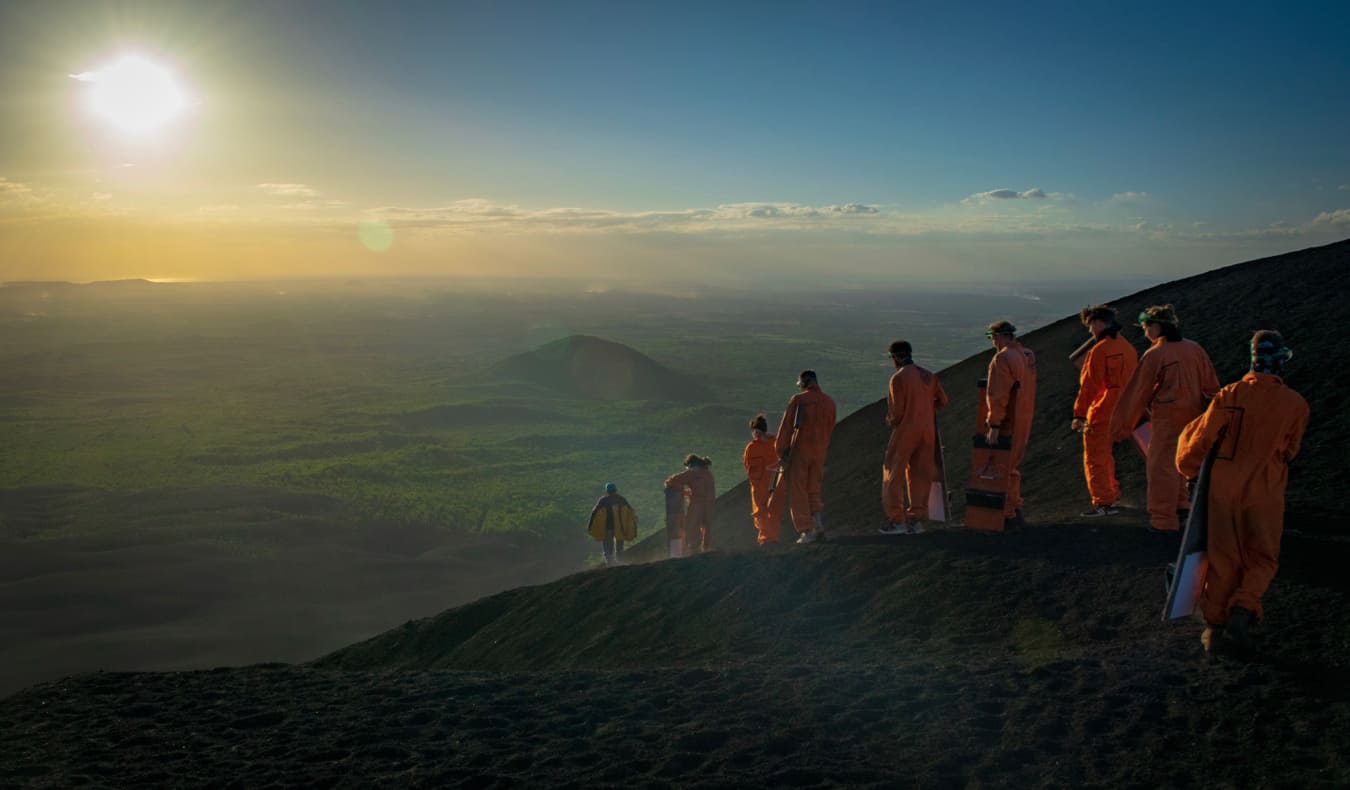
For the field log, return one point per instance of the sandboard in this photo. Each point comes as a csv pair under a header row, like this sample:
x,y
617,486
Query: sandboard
x,y
1186,576
674,514
987,488
937,493
1142,435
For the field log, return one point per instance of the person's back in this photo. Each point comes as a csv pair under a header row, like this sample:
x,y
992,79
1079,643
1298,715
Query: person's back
x,y
914,398
697,477
803,439
760,459
612,522
818,414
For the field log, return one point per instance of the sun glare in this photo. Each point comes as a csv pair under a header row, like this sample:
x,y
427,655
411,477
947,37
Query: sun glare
x,y
134,95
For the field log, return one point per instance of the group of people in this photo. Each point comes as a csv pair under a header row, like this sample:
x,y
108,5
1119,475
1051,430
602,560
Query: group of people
x,y
1168,399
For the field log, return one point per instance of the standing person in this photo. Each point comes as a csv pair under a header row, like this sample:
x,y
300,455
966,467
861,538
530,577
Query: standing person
x,y
914,398
697,479
1109,364
1258,423
1173,381
761,460
1011,394
612,522
802,441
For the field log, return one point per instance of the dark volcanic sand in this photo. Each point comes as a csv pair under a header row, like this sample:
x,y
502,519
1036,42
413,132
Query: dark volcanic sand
x,y
858,674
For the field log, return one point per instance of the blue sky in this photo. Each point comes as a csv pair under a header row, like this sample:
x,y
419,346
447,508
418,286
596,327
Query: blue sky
x,y
1156,134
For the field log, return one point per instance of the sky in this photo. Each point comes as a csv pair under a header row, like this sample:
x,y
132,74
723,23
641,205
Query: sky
x,y
761,144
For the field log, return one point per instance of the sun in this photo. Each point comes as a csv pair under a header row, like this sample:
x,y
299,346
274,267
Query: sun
x,y
134,95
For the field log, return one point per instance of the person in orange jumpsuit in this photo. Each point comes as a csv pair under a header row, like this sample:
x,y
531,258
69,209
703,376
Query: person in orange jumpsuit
x,y
1108,365
761,459
1011,370
1174,380
697,480
802,441
915,397
1258,423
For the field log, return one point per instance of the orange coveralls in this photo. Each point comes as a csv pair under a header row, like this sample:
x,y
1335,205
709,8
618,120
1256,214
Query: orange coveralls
x,y
698,518
806,463
1109,364
760,458
1013,366
914,399
1265,422
1173,381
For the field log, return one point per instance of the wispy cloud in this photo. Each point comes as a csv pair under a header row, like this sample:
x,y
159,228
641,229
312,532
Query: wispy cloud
x,y
1035,193
10,189
1130,197
289,190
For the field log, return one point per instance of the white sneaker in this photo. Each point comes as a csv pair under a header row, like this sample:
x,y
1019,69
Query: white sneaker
x,y
895,528
808,536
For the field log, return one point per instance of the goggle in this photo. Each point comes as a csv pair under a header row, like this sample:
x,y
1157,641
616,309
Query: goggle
x,y
1146,318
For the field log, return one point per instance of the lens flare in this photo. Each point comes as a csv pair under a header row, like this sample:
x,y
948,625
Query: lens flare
x,y
376,235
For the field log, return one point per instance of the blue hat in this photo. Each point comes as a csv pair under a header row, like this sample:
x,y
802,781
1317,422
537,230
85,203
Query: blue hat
x,y
610,488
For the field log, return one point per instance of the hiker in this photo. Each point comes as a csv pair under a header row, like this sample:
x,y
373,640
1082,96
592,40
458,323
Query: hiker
x,y
914,398
1011,395
761,462
1173,381
612,522
1258,423
1108,365
802,441
697,479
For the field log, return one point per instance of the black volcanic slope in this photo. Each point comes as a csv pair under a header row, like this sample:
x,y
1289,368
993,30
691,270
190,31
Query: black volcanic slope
x,y
951,659
591,367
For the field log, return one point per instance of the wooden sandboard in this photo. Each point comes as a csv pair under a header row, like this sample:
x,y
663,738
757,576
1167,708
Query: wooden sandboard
x,y
937,493
1186,576
987,487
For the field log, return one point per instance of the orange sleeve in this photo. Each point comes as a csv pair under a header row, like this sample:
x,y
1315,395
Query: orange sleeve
x,y
783,442
999,389
1198,436
939,395
1135,397
895,401
1090,381
745,456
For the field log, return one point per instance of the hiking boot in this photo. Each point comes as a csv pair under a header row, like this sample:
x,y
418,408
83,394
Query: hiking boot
x,y
808,536
1239,626
1101,510
916,527
895,528
1212,639
1014,522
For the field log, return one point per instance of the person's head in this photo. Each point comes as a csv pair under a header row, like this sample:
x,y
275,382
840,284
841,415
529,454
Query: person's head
x,y
1161,320
610,488
1100,319
694,461
807,378
1269,353
759,425
1001,333
901,352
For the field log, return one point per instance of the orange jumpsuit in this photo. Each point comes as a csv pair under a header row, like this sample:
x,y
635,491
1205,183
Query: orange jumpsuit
x,y
801,483
1109,364
915,397
702,497
1264,422
1173,381
760,458
1013,367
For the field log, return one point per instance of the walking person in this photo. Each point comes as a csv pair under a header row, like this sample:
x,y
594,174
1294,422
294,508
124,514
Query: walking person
x,y
1174,381
1108,365
802,441
1258,425
1011,395
761,462
612,522
697,481
914,398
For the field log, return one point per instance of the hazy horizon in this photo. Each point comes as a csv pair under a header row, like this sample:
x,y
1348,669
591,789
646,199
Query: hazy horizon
x,y
787,144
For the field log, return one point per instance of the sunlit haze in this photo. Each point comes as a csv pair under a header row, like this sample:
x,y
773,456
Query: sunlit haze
x,y
783,144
